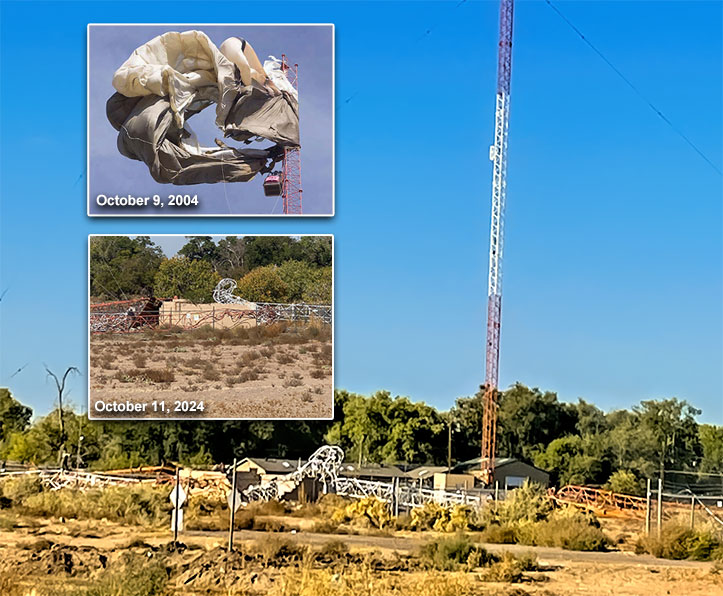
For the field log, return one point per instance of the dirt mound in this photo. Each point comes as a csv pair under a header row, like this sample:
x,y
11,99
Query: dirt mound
x,y
258,567
47,558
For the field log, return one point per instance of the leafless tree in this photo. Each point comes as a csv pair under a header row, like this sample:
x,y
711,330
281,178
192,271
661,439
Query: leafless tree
x,y
60,385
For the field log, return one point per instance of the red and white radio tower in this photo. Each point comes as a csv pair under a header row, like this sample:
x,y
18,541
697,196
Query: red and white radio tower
x,y
498,155
291,191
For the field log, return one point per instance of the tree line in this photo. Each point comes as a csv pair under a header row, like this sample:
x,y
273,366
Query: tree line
x,y
266,268
576,442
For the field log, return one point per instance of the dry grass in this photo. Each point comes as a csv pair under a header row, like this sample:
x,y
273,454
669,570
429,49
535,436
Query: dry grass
x,y
233,371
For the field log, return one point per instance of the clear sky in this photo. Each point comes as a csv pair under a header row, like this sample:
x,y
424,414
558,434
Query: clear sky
x,y
613,268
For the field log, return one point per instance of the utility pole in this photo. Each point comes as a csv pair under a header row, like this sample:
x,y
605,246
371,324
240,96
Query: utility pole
x,y
233,506
449,443
498,155
648,494
660,507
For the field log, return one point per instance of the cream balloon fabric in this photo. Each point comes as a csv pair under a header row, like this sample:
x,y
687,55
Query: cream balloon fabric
x,y
178,74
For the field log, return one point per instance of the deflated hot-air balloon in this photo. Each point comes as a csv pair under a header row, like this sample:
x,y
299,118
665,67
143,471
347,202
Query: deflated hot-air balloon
x,y
176,75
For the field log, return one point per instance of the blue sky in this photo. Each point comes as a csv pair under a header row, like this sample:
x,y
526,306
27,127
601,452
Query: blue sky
x,y
613,273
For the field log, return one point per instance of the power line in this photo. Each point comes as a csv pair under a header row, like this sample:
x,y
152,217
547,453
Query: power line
x,y
637,91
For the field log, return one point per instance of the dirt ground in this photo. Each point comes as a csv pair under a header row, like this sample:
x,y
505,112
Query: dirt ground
x,y
74,552
227,375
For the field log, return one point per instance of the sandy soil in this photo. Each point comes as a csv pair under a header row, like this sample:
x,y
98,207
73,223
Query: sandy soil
x,y
563,573
177,376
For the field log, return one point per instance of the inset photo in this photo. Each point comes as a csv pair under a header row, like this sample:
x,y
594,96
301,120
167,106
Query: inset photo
x,y
210,327
193,120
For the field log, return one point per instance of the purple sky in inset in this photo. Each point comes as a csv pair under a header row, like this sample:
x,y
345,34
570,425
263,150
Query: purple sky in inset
x,y
110,173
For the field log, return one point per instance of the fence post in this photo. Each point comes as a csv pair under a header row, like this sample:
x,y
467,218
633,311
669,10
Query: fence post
x,y
660,506
233,506
692,511
177,505
647,509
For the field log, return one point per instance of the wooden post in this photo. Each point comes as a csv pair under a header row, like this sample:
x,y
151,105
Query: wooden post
x,y
692,512
233,506
647,509
660,507
177,505
449,447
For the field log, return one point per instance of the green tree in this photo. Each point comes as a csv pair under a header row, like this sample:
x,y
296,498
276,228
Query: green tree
x,y
121,267
262,251
590,419
201,248
315,251
296,275
182,277
670,424
263,284
573,459
624,482
14,416
380,429
467,413
318,289
528,420
232,257
41,442
711,441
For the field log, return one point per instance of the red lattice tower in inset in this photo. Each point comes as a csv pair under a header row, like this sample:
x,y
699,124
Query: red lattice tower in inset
x,y
292,191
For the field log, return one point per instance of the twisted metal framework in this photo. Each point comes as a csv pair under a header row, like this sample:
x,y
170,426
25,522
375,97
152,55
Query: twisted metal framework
x,y
223,293
269,312
324,465
56,479
121,317
498,155
128,316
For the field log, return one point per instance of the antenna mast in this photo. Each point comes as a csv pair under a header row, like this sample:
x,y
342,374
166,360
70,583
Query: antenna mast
x,y
498,155
291,192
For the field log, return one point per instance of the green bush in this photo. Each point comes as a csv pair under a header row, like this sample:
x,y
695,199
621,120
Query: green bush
x,y
528,503
569,528
132,575
499,534
432,516
137,505
452,552
624,482
509,569
679,542
17,489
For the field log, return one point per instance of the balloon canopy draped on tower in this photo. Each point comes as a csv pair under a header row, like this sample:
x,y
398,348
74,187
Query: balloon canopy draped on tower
x,y
176,75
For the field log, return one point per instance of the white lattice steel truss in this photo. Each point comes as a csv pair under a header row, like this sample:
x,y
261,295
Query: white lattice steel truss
x,y
271,312
326,464
223,293
498,155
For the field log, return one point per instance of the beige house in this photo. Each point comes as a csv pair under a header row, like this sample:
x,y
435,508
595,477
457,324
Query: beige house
x,y
444,481
188,315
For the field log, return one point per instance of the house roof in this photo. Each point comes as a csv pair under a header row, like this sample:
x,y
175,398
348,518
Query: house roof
x,y
425,471
500,462
273,465
376,471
